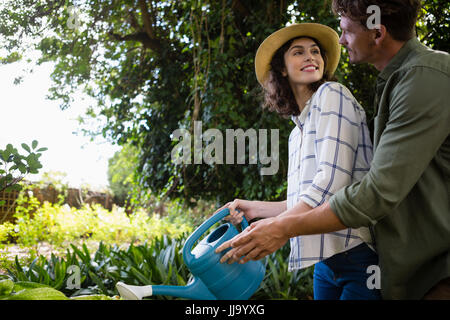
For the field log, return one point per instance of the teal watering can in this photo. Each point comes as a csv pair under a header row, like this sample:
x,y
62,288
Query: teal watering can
x,y
211,279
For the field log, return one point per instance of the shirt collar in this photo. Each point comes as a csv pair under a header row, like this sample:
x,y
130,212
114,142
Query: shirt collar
x,y
399,58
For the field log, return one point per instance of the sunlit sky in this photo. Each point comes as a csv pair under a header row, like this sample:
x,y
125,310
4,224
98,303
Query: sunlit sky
x,y
27,115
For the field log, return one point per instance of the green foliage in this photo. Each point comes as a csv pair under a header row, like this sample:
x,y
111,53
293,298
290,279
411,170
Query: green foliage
x,y
121,174
279,283
157,66
157,262
57,224
6,287
43,293
27,290
433,28
14,166
6,232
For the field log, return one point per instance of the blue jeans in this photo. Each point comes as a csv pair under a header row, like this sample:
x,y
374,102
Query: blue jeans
x,y
344,275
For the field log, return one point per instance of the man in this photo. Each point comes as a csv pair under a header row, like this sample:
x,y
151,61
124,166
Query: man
x,y
405,195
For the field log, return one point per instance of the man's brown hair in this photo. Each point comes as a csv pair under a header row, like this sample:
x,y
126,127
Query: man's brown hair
x,y
398,16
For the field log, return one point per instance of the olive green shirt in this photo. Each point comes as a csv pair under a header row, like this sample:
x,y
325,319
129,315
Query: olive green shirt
x,y
405,195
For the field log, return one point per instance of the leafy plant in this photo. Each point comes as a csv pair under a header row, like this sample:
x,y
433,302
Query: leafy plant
x,y
158,262
279,283
121,174
14,166
58,224
27,290
6,232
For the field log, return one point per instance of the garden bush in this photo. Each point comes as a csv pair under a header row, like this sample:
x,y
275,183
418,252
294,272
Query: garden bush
x,y
157,262
138,249
59,224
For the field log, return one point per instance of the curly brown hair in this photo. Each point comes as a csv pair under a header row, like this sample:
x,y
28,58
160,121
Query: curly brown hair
x,y
398,16
278,95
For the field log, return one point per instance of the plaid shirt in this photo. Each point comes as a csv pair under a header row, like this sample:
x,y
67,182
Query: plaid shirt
x,y
329,148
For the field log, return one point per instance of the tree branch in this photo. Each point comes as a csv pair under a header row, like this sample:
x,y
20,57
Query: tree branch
x,y
141,37
46,10
148,25
144,35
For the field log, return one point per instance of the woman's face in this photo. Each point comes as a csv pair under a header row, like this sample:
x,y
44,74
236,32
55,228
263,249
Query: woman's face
x,y
303,62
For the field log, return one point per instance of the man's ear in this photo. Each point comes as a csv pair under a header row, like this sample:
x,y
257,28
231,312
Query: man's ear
x,y
380,33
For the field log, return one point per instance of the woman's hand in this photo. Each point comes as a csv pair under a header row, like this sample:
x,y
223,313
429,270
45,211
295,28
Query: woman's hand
x,y
239,208
252,209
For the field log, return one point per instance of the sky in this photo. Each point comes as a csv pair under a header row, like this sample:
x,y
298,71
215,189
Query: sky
x,y
26,115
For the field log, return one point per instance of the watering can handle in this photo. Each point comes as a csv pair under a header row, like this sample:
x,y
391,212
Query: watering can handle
x,y
187,255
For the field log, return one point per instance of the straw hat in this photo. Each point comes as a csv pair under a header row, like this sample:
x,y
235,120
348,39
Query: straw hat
x,y
327,37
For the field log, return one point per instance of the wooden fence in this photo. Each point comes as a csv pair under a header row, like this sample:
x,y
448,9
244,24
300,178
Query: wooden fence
x,y
8,208
72,196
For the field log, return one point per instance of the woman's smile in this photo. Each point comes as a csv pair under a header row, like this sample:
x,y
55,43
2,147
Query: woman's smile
x,y
310,68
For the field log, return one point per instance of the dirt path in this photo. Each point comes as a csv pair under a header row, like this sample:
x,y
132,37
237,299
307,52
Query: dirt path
x,y
25,254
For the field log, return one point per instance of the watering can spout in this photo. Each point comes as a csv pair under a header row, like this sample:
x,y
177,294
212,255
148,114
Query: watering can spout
x,y
196,289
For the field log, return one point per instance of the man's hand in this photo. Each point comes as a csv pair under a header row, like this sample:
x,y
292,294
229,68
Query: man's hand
x,y
268,235
255,242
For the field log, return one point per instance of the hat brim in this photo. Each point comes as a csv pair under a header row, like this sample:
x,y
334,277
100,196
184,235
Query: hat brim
x,y
327,38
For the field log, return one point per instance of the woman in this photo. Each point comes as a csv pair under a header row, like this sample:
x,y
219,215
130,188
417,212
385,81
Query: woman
x,y
329,147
